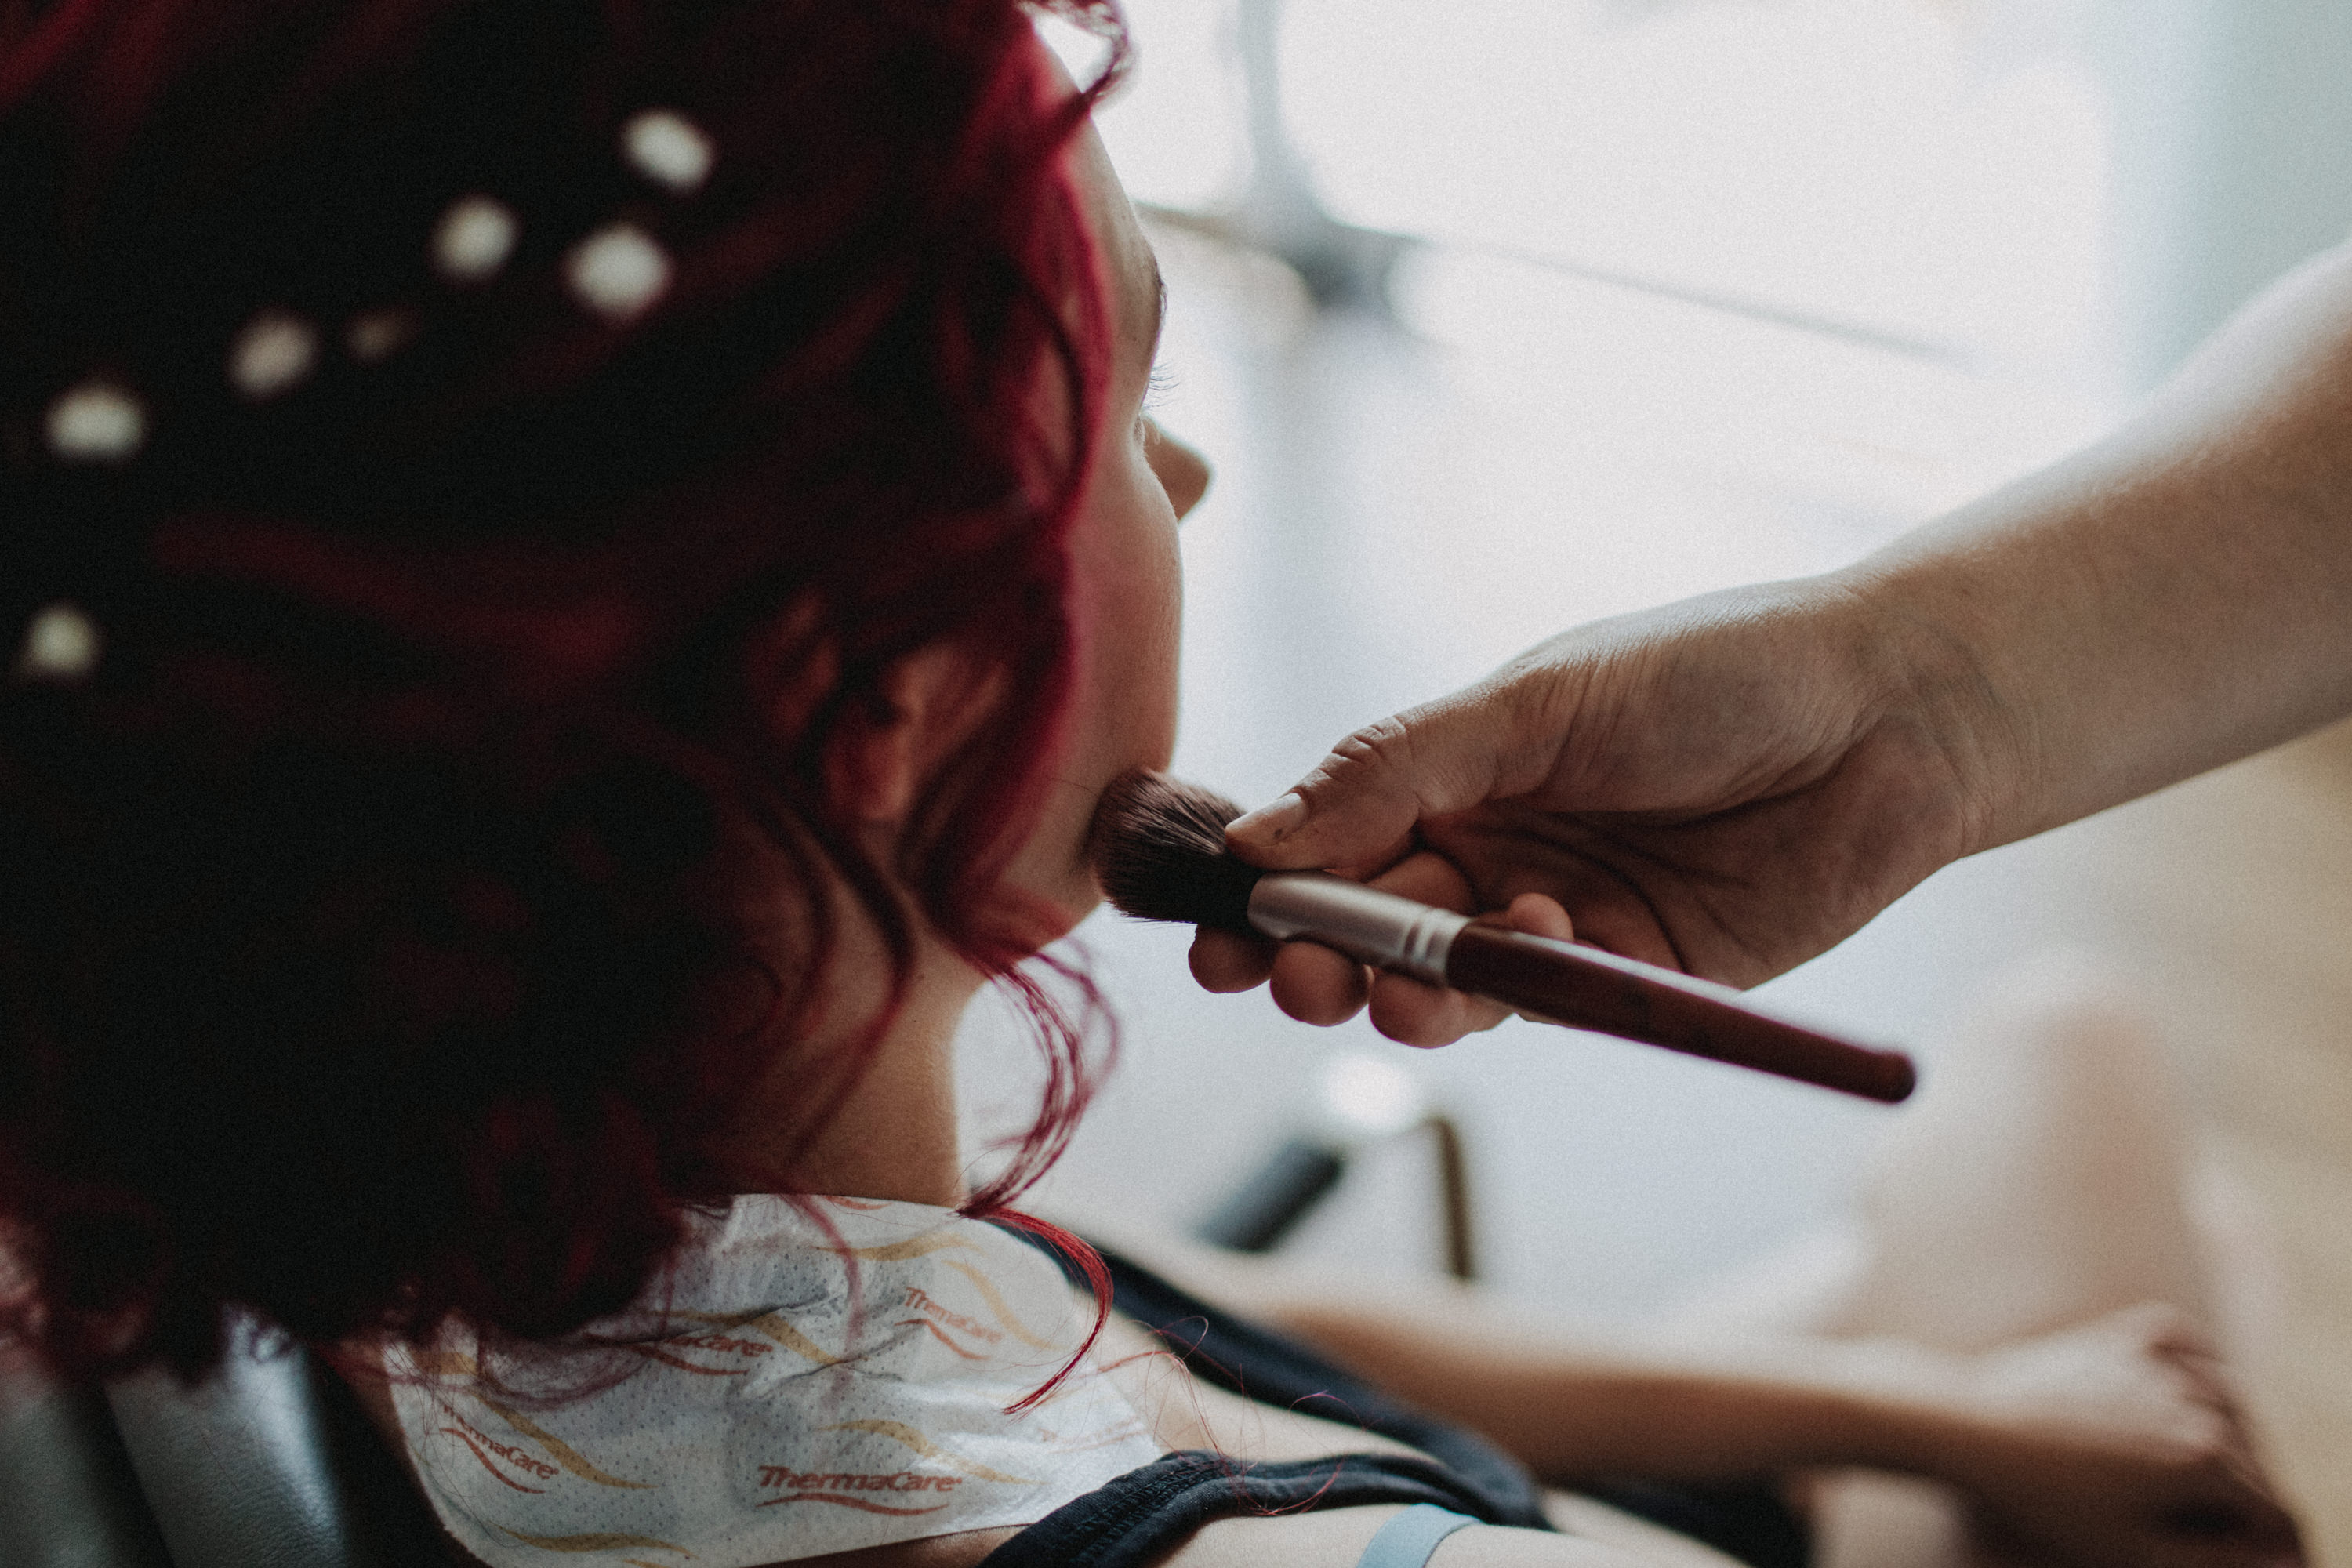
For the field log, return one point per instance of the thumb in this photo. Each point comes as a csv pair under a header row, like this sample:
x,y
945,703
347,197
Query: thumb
x,y
1360,805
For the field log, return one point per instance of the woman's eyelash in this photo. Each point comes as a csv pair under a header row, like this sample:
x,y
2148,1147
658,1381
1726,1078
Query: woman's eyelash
x,y
1163,382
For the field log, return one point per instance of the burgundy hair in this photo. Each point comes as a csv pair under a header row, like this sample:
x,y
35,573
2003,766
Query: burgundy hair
x,y
357,908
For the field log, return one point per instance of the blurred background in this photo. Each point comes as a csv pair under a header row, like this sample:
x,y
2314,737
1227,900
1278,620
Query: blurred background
x,y
1500,315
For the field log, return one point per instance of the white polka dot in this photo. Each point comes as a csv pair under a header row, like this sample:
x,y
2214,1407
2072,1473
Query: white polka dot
x,y
669,148
617,272
272,354
96,422
474,238
372,335
61,643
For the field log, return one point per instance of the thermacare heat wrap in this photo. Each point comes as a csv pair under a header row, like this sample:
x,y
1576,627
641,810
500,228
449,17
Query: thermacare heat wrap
x,y
780,1392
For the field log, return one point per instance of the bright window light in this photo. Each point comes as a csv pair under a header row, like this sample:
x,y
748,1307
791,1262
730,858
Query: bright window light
x,y
1893,166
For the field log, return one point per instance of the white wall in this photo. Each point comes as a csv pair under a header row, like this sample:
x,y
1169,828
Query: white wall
x,y
2232,157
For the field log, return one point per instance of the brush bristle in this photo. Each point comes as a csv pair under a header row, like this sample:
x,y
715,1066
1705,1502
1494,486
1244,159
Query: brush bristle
x,y
1159,852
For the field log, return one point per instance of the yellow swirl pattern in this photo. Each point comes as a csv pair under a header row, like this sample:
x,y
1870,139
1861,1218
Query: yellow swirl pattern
x,y
602,1541
979,1283
899,1432
914,1246
563,1453
768,1323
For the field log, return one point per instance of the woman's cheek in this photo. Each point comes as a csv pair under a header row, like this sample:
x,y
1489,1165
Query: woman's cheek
x,y
1154,606
1127,608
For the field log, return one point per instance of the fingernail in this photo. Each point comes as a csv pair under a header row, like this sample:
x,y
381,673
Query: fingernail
x,y
1272,823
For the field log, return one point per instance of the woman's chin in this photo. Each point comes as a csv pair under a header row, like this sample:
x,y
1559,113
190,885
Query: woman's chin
x,y
1031,922
1063,915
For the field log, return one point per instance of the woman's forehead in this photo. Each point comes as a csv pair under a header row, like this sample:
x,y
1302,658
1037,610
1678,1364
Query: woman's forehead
x,y
1130,270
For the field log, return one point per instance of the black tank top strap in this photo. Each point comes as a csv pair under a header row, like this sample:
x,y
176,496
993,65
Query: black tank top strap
x,y
1263,1366
1138,1516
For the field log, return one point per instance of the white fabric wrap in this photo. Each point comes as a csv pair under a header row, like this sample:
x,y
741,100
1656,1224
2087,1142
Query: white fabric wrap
x,y
756,1407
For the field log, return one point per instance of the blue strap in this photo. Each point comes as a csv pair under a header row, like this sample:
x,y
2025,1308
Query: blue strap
x,y
1406,1541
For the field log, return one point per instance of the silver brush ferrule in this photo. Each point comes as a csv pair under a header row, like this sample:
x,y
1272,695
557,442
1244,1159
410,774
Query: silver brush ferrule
x,y
1370,926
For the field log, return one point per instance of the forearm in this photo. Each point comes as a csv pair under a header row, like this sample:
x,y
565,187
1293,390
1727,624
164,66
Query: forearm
x,y
1569,1401
1571,1404
2171,599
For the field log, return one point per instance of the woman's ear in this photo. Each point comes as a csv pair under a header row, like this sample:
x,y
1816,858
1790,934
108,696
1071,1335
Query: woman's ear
x,y
885,749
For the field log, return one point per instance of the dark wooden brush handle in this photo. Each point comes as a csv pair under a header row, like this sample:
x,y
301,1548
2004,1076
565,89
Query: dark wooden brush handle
x,y
1587,989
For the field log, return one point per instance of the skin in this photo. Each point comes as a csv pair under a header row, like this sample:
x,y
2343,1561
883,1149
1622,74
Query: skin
x,y
1566,1404
1733,784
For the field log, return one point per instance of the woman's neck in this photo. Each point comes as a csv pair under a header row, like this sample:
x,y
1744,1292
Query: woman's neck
x,y
893,1133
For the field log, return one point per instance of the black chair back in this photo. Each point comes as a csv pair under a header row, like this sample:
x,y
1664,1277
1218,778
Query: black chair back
x,y
270,1463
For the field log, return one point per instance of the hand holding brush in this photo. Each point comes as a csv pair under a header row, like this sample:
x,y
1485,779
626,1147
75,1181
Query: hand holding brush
x,y
1160,850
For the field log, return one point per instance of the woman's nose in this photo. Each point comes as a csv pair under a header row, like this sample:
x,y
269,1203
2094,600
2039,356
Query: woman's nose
x,y
1183,472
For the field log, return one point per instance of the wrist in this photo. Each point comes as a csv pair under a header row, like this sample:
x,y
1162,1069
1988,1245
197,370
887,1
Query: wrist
x,y
1920,638
1891,1406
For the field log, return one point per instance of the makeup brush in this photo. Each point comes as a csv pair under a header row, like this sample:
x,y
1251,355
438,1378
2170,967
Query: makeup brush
x,y
1160,850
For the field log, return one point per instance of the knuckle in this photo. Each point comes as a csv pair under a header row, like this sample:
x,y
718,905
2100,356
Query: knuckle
x,y
1383,745
1426,762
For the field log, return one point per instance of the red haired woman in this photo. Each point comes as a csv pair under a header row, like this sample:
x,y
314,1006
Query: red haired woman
x,y
582,568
